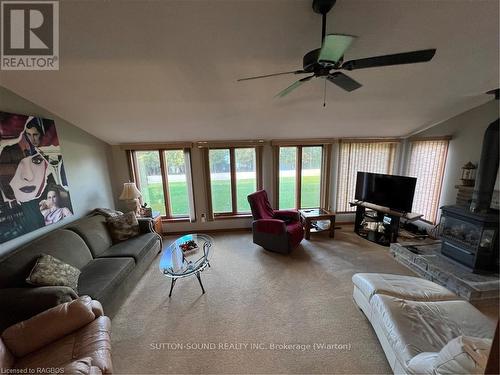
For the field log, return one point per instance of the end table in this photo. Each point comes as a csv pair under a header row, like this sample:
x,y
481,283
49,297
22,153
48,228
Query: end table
x,y
310,215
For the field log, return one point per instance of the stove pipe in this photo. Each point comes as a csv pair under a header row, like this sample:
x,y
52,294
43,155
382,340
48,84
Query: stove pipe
x,y
487,172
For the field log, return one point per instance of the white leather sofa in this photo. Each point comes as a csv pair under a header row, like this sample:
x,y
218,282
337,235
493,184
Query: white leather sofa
x,y
423,328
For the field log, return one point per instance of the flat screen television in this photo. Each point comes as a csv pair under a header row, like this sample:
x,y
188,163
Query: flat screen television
x,y
395,192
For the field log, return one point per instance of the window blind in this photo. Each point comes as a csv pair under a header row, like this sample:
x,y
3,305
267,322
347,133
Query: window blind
x,y
426,162
362,156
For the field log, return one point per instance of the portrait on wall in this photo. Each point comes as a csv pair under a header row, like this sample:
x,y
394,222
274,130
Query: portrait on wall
x,y
33,186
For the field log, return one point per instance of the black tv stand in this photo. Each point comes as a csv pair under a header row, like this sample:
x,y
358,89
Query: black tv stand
x,y
379,224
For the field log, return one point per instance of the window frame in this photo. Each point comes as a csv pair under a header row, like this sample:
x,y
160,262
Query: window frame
x,y
133,172
234,213
439,191
324,172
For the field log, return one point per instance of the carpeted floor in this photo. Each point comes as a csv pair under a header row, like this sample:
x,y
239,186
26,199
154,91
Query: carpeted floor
x,y
260,298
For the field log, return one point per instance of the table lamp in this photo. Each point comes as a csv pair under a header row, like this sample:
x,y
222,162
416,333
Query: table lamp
x,y
131,195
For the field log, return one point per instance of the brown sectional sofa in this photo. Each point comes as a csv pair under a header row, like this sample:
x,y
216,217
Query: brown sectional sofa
x,y
108,271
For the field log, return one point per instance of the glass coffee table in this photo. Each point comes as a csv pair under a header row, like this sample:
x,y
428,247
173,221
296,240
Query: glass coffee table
x,y
186,256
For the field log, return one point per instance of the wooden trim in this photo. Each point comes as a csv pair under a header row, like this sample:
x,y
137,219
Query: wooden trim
x,y
230,144
232,168
258,167
371,140
178,219
164,178
156,146
326,167
135,172
437,138
303,142
188,165
298,177
208,231
208,185
130,165
276,175
230,215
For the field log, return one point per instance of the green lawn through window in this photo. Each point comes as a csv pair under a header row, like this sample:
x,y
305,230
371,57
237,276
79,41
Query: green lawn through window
x,y
179,199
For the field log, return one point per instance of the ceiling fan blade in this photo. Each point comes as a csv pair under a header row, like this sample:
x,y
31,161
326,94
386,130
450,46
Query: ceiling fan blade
x,y
395,59
334,47
293,86
273,74
343,81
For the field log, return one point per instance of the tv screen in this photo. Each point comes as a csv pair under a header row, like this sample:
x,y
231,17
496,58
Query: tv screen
x,y
395,192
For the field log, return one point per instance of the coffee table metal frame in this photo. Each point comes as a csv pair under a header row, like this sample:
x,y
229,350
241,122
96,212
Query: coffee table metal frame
x,y
195,271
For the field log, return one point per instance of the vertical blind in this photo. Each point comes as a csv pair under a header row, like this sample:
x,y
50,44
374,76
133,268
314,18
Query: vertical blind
x,y
367,156
426,163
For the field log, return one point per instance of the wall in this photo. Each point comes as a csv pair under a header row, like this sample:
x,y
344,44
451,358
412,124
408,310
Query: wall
x,y
467,131
86,162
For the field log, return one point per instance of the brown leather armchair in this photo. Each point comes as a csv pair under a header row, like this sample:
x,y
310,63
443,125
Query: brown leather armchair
x,y
70,338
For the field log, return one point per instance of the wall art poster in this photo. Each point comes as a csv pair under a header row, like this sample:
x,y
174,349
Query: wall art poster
x,y
33,185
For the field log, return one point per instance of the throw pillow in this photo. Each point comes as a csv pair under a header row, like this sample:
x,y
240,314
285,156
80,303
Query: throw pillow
x,y
123,227
463,355
50,271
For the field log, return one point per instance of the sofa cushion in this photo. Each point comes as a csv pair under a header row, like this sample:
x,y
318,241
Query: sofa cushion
x,y
101,277
42,329
405,287
50,271
62,244
123,227
413,327
136,247
89,342
94,232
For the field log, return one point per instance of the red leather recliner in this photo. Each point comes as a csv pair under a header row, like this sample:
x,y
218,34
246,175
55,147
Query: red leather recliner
x,y
275,230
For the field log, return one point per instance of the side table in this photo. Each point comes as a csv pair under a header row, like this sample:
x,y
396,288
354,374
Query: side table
x,y
310,215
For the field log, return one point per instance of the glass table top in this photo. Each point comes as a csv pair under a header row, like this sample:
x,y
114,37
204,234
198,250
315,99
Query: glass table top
x,y
186,255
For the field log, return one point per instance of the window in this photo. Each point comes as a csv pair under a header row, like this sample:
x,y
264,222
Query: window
x,y
164,179
233,175
426,162
361,156
299,176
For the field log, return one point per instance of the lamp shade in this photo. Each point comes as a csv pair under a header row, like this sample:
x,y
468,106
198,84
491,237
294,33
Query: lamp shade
x,y
129,192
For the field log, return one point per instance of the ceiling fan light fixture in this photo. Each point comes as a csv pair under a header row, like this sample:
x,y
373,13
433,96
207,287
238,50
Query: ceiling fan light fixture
x,y
334,47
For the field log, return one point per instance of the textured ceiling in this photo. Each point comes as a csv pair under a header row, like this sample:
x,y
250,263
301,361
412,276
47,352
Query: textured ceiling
x,y
167,70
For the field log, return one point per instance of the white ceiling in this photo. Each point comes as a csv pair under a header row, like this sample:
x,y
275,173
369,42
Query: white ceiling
x,y
167,70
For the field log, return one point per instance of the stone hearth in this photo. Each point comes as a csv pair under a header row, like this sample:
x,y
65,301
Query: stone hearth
x,y
427,261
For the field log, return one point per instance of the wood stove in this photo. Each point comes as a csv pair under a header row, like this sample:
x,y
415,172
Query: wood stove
x,y
470,235
470,238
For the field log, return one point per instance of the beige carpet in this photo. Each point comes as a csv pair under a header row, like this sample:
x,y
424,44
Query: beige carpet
x,y
261,298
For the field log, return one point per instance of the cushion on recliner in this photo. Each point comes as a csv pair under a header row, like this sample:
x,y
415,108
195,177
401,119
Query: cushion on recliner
x,y
136,247
405,287
94,232
413,327
102,276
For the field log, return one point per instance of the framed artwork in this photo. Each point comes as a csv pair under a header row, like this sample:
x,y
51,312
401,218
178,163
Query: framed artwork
x,y
33,186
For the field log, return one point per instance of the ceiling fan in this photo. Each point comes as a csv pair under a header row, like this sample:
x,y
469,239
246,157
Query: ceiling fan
x,y
325,62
